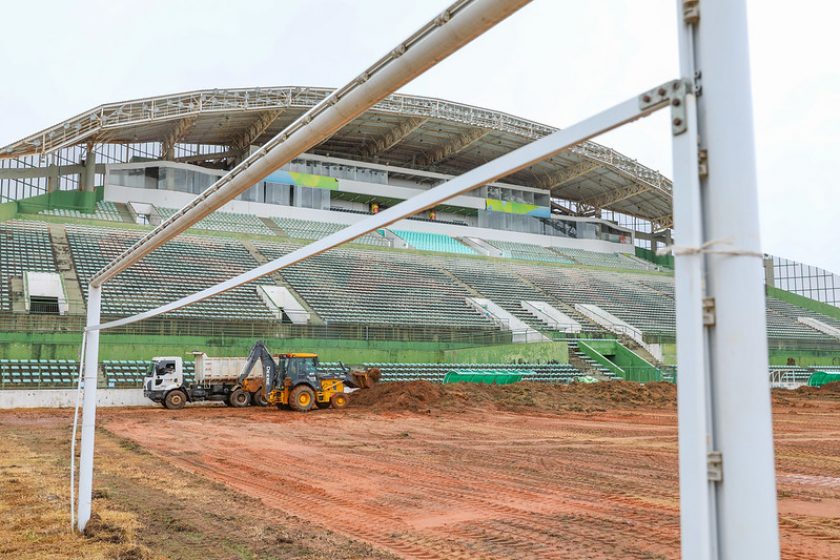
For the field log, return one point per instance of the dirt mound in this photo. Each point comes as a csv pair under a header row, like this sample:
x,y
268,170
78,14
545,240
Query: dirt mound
x,y
424,396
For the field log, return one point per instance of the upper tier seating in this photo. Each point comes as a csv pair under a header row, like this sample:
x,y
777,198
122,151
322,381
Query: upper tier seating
x,y
354,285
378,288
781,316
606,260
23,246
499,283
21,374
305,229
226,221
623,295
782,322
433,242
105,211
177,269
528,252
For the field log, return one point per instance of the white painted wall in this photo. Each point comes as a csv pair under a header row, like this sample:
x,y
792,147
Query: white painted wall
x,y
66,398
45,284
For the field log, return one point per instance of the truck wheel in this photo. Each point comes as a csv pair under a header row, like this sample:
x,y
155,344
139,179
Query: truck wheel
x,y
175,400
258,399
338,400
239,398
302,399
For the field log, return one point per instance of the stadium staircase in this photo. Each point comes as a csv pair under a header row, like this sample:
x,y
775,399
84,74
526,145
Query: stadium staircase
x,y
277,278
64,265
272,225
125,213
584,363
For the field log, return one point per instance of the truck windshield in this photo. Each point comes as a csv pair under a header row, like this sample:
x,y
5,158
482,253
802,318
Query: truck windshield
x,y
164,366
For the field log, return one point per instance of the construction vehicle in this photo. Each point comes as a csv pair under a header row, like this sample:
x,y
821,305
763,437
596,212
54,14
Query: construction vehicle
x,y
291,380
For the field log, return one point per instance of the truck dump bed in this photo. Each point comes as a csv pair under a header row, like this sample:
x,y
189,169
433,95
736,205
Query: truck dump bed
x,y
219,370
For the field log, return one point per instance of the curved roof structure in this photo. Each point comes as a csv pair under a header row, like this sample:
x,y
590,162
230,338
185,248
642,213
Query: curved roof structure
x,y
401,130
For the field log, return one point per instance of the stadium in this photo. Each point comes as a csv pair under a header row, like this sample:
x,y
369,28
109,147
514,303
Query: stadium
x,y
559,276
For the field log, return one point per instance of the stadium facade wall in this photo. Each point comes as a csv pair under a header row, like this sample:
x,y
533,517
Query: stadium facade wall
x,y
176,199
66,398
804,358
8,210
540,352
65,346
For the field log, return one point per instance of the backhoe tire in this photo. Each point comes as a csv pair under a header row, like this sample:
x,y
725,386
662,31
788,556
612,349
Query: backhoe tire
x,y
338,400
175,400
258,399
302,399
239,398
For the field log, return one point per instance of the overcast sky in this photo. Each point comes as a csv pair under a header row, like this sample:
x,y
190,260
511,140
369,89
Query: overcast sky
x,y
555,61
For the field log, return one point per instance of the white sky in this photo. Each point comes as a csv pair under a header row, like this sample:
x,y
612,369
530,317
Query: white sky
x,y
555,61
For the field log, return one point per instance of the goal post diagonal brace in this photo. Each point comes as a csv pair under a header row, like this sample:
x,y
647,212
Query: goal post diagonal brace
x,y
460,23
502,166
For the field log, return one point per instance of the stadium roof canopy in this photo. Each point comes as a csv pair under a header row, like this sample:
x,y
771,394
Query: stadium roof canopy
x,y
402,130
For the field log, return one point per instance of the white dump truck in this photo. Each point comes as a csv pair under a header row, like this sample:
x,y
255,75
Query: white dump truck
x,y
216,379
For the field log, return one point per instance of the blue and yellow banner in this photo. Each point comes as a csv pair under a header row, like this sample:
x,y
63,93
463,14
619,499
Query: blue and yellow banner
x,y
302,180
510,207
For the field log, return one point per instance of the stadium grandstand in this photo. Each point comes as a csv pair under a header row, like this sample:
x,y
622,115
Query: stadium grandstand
x,y
555,269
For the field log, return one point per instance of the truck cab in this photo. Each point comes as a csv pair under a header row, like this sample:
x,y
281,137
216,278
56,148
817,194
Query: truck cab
x,y
164,375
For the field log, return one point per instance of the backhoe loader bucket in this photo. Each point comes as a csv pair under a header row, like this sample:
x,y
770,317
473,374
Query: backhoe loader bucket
x,y
363,379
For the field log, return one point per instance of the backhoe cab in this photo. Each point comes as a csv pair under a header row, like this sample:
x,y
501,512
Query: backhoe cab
x,y
295,381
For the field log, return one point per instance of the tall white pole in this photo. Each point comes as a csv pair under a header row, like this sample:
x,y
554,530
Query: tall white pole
x,y
745,514
89,408
697,529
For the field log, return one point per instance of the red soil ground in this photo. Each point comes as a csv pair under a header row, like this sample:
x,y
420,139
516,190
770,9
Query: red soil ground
x,y
428,472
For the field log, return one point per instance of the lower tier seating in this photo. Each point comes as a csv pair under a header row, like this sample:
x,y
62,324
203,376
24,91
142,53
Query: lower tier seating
x,y
177,269
22,374
552,373
358,286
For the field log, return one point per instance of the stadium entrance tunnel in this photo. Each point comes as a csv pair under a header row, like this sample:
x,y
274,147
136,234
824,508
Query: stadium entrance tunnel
x,y
620,360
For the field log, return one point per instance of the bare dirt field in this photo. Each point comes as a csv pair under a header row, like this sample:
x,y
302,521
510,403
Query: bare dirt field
x,y
419,471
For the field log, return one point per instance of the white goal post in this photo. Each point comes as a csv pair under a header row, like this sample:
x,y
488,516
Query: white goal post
x,y
727,476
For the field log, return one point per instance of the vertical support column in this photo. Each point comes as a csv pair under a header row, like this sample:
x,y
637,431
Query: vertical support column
x,y
745,511
89,407
89,173
53,178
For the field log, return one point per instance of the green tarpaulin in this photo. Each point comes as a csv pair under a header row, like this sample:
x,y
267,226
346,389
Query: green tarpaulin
x,y
485,376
